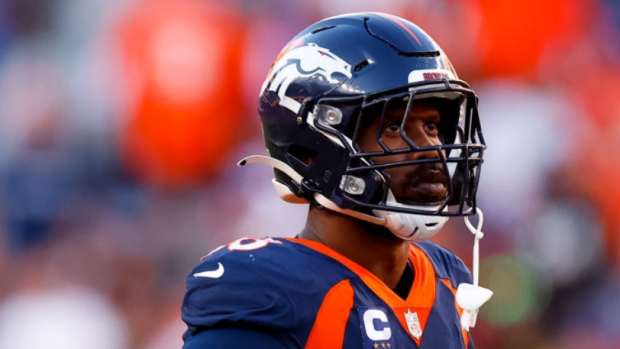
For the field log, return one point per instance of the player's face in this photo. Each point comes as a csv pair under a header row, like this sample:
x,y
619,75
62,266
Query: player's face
x,y
411,184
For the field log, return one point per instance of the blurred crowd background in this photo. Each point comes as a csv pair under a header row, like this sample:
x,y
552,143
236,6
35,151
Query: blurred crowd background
x,y
121,123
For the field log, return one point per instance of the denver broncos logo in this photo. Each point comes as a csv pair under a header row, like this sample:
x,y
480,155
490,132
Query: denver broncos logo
x,y
302,62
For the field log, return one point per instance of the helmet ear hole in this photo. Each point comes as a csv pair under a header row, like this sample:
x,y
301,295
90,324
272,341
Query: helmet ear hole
x,y
302,154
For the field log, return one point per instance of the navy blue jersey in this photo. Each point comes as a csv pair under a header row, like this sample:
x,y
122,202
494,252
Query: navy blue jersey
x,y
309,296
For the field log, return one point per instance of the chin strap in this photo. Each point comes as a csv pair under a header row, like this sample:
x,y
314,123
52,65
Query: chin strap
x,y
472,297
288,196
404,226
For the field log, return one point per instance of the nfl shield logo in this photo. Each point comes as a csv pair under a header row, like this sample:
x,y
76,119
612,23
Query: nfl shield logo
x,y
413,323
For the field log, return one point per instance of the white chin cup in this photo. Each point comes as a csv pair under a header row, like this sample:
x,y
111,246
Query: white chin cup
x,y
411,226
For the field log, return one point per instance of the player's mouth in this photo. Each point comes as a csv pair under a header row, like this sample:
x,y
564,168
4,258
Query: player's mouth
x,y
427,186
428,192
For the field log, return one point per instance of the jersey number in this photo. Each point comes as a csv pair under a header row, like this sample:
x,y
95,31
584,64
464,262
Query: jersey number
x,y
246,244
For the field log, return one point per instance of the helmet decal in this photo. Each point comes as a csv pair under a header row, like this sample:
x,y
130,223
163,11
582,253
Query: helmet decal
x,y
303,62
430,74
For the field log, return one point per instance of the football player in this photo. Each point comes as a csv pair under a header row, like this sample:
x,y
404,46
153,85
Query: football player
x,y
365,119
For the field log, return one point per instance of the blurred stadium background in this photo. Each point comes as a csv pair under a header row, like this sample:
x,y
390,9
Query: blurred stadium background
x,y
121,123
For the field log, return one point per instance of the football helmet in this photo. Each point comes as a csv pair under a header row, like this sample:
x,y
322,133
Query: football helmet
x,y
325,85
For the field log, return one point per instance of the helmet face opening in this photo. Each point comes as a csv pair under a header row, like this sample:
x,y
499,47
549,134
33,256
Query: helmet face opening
x,y
369,111
422,145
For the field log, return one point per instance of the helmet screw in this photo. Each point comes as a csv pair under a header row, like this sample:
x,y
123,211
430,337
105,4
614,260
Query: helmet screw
x,y
354,186
327,176
331,115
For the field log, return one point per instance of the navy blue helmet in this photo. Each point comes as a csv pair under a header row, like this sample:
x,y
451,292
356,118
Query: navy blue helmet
x,y
329,82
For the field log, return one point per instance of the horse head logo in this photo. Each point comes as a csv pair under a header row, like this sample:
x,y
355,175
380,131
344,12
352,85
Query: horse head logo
x,y
302,62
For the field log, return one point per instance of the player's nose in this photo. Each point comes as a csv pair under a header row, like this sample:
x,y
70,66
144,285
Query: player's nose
x,y
425,147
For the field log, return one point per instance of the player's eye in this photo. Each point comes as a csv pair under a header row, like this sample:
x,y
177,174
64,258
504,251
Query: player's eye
x,y
393,127
431,127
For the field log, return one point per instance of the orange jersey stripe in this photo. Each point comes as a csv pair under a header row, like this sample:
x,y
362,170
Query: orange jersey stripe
x,y
329,327
421,296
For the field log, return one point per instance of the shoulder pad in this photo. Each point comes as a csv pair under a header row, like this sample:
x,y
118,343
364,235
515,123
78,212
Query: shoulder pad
x,y
258,282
